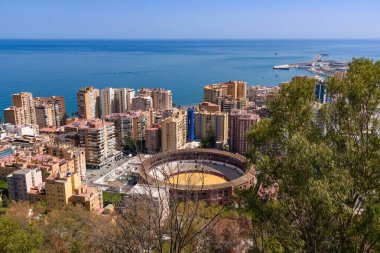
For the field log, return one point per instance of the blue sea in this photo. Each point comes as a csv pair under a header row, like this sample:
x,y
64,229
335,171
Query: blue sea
x,y
61,67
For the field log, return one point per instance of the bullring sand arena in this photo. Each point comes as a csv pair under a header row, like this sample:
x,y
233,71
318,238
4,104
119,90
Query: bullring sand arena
x,y
196,178
212,175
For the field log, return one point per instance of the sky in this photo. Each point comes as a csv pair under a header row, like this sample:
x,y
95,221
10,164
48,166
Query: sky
x,y
190,19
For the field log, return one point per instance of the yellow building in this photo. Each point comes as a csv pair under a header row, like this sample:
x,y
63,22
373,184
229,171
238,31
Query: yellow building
x,y
88,100
233,89
50,111
68,189
22,112
59,190
173,131
90,198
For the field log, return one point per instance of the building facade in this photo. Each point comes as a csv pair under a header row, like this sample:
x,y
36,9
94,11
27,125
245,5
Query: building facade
x,y
162,99
22,112
209,107
57,106
239,123
67,188
88,101
153,139
97,137
142,103
129,126
116,100
190,125
174,131
234,89
211,121
21,181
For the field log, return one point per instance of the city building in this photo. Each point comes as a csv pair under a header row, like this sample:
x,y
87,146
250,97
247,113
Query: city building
x,y
174,131
142,103
97,137
88,101
68,152
204,122
67,188
162,99
260,94
209,107
13,115
239,123
49,165
22,112
129,126
56,105
116,100
45,116
153,139
226,104
21,181
190,125
20,130
234,89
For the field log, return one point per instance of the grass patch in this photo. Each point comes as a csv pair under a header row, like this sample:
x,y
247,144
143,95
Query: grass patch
x,y
113,198
3,184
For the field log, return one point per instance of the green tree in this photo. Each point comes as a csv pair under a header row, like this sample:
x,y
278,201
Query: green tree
x,y
15,238
134,147
209,141
323,163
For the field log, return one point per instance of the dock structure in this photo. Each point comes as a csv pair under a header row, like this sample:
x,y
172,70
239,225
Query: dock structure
x,y
317,66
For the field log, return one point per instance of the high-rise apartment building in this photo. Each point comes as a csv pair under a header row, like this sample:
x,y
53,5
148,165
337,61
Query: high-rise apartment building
x,y
116,100
97,137
174,131
22,112
142,103
239,123
128,126
211,121
45,116
13,115
88,100
56,105
153,139
21,181
190,125
234,89
226,104
162,99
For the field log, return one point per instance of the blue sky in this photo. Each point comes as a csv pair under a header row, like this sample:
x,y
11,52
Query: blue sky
x,y
194,19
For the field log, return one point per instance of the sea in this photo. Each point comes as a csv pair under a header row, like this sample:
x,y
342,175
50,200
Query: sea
x,y
61,67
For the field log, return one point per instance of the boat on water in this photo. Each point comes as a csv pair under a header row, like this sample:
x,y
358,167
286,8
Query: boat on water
x,y
282,67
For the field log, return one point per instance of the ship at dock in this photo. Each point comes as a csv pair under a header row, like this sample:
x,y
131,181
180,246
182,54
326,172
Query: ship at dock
x,y
317,66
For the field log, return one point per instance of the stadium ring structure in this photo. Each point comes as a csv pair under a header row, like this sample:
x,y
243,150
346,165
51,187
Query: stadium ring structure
x,y
230,172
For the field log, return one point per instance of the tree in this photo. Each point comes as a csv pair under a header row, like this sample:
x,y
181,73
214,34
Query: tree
x,y
18,232
322,164
209,141
134,147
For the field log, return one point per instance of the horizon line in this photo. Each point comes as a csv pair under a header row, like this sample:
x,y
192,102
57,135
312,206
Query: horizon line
x,y
195,39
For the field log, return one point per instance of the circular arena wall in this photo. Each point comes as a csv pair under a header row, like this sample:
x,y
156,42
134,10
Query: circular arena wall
x,y
211,193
